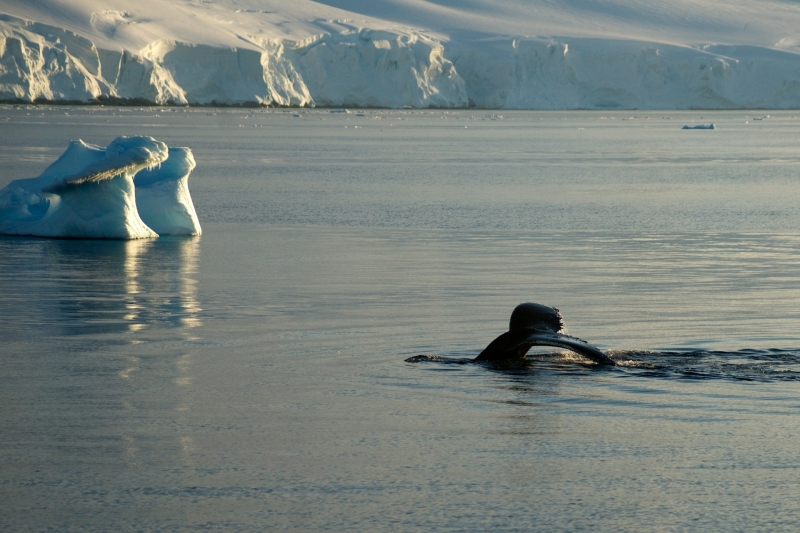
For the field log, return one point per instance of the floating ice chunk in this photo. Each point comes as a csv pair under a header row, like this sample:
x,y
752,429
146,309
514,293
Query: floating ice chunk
x,y
700,127
87,193
91,192
162,195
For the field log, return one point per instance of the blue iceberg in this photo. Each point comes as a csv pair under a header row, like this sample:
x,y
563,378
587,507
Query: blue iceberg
x,y
94,192
162,195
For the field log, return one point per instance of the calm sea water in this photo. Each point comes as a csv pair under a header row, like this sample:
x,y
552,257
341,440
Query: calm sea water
x,y
253,379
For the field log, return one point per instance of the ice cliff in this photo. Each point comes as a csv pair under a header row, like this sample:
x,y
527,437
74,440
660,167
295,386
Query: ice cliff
x,y
620,54
522,73
89,192
370,68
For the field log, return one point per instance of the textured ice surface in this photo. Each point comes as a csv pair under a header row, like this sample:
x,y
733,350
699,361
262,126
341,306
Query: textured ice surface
x,y
162,195
89,193
558,54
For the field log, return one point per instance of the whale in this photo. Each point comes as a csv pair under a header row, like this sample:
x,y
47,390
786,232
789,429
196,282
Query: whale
x,y
532,325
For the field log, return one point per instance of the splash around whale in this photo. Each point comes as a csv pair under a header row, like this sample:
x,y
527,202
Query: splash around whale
x,y
135,188
531,325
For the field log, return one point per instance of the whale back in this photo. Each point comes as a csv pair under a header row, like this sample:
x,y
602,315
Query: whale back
x,y
536,316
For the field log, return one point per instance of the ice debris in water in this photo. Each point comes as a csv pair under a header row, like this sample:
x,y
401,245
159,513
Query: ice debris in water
x,y
700,127
135,188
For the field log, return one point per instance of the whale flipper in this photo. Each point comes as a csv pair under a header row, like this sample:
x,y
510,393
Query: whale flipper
x,y
515,344
530,325
537,325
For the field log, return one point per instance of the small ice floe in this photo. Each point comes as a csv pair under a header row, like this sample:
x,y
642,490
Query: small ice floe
x,y
345,111
134,188
700,127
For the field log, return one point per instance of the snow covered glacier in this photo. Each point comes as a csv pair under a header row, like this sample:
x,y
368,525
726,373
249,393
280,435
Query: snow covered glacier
x,y
555,54
356,68
134,188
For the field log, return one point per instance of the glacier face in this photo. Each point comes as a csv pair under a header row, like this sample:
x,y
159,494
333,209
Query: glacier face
x,y
397,67
370,68
526,73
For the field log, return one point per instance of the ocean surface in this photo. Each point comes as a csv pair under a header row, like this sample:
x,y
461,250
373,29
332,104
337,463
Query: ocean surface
x,y
254,378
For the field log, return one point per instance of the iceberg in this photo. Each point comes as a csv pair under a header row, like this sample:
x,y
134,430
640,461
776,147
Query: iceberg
x,y
89,192
700,127
162,195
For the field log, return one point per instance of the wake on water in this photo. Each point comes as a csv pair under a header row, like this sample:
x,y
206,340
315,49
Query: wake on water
x,y
742,365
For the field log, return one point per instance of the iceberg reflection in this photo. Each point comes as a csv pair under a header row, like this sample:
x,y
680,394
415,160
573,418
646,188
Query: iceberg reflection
x,y
94,287
98,342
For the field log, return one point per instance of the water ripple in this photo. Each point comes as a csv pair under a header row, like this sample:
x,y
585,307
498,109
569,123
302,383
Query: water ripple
x,y
766,365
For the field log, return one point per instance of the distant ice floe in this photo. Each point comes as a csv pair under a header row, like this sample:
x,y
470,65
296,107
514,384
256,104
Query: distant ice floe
x,y
135,188
699,127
